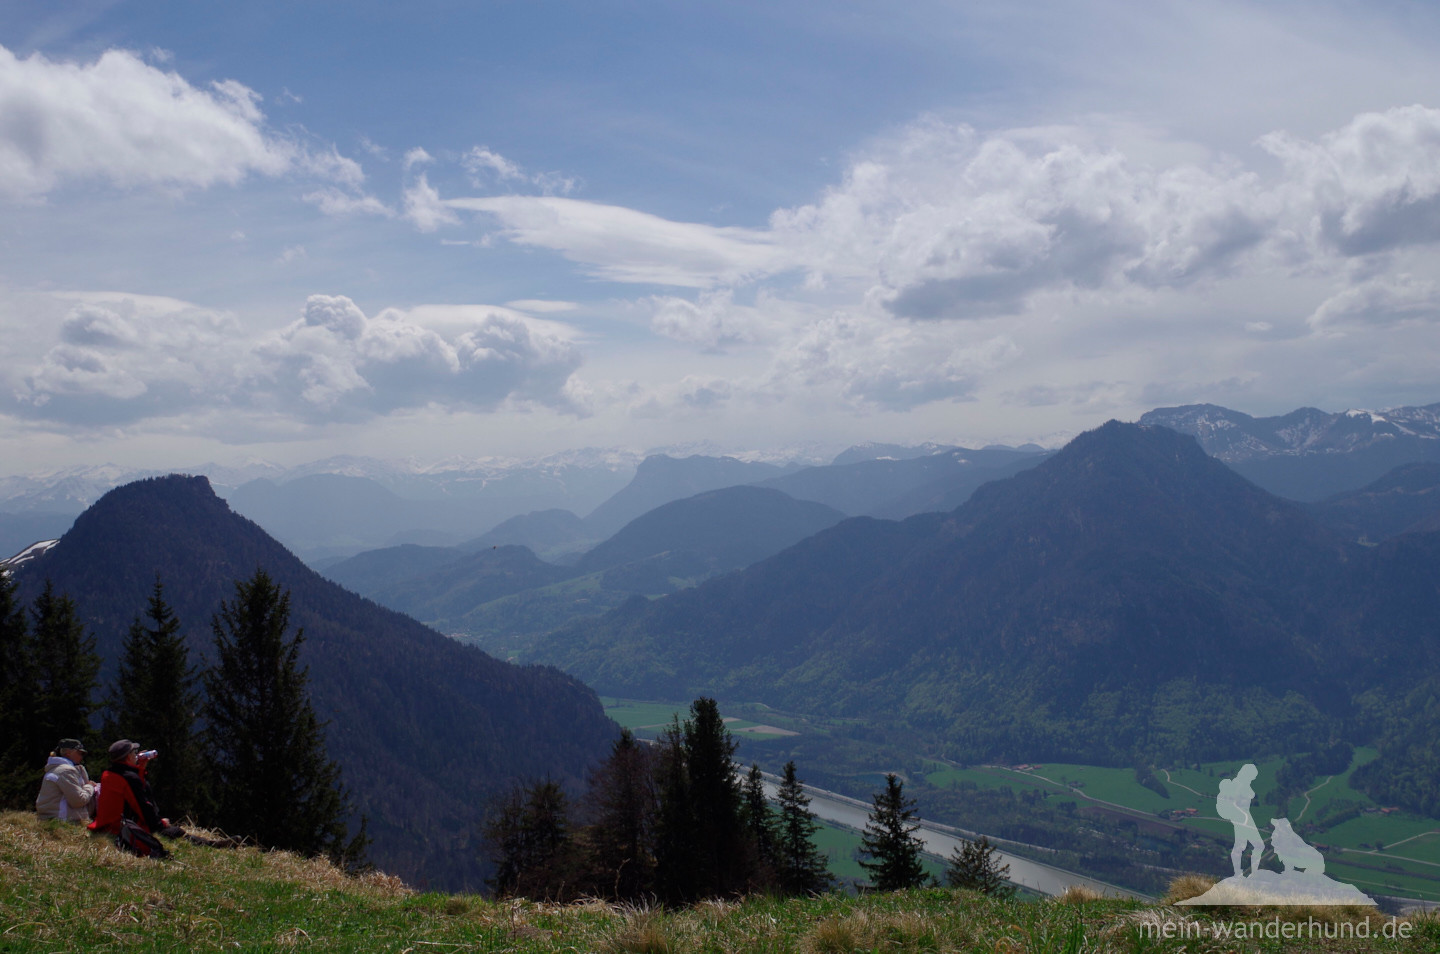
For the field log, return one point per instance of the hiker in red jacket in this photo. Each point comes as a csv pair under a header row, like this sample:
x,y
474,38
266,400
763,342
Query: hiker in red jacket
x,y
124,793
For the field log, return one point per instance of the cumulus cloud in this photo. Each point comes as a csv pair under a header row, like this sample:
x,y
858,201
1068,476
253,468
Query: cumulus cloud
x,y
120,360
945,261
1371,185
713,321
123,121
335,362
947,223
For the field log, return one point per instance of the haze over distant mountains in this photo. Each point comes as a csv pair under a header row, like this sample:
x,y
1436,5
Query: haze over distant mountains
x,y
1130,594
330,509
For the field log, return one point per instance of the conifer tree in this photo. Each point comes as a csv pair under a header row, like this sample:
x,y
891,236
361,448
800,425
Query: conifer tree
x,y
271,776
66,672
623,804
530,840
19,738
760,825
802,867
890,842
720,860
675,880
156,701
973,865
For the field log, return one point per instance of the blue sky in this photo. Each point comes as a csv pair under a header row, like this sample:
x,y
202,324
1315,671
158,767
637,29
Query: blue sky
x,y
511,228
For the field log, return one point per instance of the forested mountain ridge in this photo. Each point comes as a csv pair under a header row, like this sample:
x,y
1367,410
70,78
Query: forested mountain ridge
x,y
425,729
1129,594
724,529
1405,500
660,479
668,548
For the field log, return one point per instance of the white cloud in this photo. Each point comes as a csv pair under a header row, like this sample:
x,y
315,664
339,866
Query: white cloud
x,y
1387,300
337,202
424,208
480,160
541,305
623,245
485,166
417,157
947,223
713,321
1372,185
125,122
867,361
121,360
335,363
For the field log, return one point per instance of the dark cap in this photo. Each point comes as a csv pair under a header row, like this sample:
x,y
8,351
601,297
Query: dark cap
x,y
120,751
64,744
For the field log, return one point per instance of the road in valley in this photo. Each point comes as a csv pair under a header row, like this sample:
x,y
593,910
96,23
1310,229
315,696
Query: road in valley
x,y
941,840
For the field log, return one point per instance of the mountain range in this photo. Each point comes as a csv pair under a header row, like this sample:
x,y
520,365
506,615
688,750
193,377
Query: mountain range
x,y
1131,594
1309,454
425,729
674,545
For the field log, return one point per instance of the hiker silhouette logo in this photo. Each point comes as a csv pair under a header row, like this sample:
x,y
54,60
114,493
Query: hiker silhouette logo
x,y
1302,880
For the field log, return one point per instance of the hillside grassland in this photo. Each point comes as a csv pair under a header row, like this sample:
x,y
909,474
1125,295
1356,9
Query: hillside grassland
x,y
61,889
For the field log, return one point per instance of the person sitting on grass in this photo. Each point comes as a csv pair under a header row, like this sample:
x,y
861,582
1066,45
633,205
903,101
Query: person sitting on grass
x,y
124,794
66,792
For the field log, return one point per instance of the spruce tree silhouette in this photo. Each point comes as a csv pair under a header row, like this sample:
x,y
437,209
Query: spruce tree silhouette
x,y
273,779
973,865
67,673
156,700
803,869
19,737
889,841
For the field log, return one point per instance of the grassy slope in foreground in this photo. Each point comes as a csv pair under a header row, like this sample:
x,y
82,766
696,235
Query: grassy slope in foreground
x,y
61,889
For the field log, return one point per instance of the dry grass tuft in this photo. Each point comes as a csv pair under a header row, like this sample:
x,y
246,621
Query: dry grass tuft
x,y
292,938
833,936
645,934
1079,894
1187,886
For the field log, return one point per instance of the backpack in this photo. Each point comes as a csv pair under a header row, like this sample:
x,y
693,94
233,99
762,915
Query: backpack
x,y
138,841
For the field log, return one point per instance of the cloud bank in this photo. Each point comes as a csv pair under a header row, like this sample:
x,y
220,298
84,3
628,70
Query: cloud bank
x,y
944,255
120,360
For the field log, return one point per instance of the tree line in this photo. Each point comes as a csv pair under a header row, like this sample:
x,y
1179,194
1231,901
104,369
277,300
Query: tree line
x,y
241,748
676,822
671,821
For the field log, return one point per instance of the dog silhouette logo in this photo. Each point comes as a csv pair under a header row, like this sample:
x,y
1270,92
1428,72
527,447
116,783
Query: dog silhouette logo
x,y
1292,850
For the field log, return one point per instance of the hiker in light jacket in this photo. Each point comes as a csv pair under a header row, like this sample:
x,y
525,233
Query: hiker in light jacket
x,y
66,792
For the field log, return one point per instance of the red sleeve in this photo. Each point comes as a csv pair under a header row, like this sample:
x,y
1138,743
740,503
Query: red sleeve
x,y
115,794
